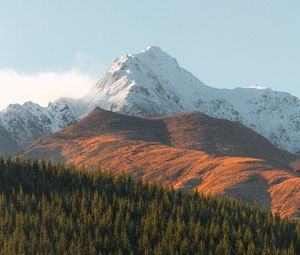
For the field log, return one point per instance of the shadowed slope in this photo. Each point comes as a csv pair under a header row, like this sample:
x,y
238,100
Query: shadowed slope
x,y
197,131
189,150
101,122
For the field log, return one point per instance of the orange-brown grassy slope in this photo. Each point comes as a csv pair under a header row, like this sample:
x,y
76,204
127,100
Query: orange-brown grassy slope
x,y
189,150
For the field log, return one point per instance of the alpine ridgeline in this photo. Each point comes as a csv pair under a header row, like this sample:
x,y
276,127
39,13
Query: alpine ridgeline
x,y
151,83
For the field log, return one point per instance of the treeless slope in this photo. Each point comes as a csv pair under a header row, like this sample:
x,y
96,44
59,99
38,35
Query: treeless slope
x,y
189,150
197,131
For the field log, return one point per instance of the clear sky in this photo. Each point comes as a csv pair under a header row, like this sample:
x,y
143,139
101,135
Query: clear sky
x,y
225,43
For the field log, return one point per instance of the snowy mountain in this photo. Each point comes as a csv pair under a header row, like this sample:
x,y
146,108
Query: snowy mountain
x,y
151,83
25,123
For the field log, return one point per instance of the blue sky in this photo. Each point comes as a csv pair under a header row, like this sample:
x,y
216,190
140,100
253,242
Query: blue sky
x,y
224,43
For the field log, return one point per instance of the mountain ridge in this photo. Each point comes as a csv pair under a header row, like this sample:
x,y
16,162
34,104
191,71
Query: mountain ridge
x,y
152,83
198,156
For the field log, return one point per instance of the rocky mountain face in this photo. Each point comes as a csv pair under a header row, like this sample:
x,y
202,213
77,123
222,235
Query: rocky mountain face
x,y
187,151
26,123
151,83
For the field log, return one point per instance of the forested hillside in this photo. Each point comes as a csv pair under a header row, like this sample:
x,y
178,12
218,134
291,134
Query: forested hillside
x,y
54,209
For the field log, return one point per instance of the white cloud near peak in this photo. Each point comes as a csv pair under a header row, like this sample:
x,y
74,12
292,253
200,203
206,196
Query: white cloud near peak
x,y
42,87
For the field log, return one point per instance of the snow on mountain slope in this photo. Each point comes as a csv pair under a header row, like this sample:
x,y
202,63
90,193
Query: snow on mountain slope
x,y
151,83
273,114
29,121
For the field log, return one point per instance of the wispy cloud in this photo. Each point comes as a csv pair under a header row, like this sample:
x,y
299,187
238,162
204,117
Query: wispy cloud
x,y
43,87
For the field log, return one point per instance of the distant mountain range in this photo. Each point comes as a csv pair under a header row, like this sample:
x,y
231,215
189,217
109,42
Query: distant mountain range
x,y
189,151
151,83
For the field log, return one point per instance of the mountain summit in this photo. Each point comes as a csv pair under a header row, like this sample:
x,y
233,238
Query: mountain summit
x,y
151,83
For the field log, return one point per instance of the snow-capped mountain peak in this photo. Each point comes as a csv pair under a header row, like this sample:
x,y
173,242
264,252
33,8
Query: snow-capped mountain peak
x,y
146,83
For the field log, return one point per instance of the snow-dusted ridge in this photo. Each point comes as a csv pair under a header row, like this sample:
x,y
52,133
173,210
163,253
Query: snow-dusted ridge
x,y
152,83
29,121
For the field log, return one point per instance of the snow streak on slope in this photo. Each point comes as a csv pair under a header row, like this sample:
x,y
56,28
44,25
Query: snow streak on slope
x,y
151,83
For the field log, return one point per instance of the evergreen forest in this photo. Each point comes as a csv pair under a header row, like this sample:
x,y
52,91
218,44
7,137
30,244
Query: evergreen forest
x,y
58,209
